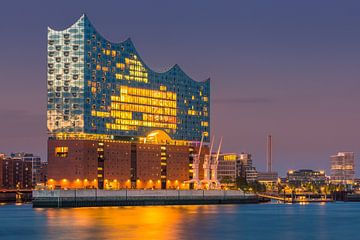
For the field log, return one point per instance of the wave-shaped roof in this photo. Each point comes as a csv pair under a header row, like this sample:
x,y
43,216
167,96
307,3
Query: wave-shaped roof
x,y
84,21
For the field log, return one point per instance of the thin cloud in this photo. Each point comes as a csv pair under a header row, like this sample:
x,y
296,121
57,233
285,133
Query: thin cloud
x,y
251,100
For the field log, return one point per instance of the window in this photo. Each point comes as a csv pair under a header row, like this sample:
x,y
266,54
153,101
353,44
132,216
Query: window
x,y
62,152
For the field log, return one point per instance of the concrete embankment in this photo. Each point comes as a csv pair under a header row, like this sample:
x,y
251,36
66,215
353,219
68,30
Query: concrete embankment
x,y
94,197
12,196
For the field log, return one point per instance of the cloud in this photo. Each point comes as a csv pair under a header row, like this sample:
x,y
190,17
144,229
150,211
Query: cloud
x,y
245,100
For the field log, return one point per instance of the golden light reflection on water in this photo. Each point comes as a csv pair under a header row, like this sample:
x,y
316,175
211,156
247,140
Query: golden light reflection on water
x,y
149,222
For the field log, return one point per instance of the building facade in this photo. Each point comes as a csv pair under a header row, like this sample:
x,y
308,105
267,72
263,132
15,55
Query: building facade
x,y
227,167
343,168
35,162
268,178
234,165
115,123
245,167
15,173
104,88
306,176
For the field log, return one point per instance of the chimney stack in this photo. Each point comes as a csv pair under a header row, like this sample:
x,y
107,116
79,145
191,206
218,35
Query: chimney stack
x,y
269,154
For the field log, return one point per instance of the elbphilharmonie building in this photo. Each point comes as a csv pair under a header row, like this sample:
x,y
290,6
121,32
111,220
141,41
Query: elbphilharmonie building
x,y
112,121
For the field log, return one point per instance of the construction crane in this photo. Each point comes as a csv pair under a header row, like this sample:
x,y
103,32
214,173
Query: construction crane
x,y
214,167
207,162
195,167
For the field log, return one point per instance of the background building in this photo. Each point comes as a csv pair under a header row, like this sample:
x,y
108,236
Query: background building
x,y
234,165
35,162
268,178
115,123
245,167
342,168
227,168
306,176
16,174
20,171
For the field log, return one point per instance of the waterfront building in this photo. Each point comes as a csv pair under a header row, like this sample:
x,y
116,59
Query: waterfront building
x,y
305,176
2,156
43,174
227,168
115,123
245,167
268,178
342,168
15,173
34,161
234,165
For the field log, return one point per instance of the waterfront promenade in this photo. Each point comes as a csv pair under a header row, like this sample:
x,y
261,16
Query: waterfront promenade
x,y
96,197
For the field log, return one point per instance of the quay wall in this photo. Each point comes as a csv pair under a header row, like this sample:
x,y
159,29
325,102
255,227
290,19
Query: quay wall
x,y
96,197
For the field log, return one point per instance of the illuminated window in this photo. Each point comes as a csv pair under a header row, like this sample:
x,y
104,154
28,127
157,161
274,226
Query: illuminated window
x,y
62,152
204,124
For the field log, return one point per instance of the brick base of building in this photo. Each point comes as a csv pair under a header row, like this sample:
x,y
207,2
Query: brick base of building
x,y
120,164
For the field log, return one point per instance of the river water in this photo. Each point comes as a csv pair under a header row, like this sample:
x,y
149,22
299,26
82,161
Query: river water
x,y
252,221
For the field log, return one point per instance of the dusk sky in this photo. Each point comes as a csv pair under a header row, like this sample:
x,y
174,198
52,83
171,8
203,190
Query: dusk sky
x,y
289,68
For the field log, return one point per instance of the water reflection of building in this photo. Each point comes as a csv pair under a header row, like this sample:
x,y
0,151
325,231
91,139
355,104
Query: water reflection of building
x,y
305,176
342,168
151,222
115,123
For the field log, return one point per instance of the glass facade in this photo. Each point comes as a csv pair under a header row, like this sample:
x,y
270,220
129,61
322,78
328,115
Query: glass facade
x,y
99,87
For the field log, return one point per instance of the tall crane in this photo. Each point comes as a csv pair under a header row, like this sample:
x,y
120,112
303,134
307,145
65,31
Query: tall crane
x,y
195,167
206,165
214,167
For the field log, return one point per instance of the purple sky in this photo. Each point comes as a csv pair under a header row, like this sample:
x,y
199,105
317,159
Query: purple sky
x,y
290,68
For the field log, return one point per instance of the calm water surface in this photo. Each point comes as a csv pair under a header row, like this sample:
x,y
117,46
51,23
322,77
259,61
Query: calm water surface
x,y
262,221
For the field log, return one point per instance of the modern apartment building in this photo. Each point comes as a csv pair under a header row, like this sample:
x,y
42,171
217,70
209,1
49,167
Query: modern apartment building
x,y
343,168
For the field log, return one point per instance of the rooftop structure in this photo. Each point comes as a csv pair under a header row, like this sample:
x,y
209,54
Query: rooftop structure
x,y
103,90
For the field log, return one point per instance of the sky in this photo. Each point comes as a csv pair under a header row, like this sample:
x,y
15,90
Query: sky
x,y
286,68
